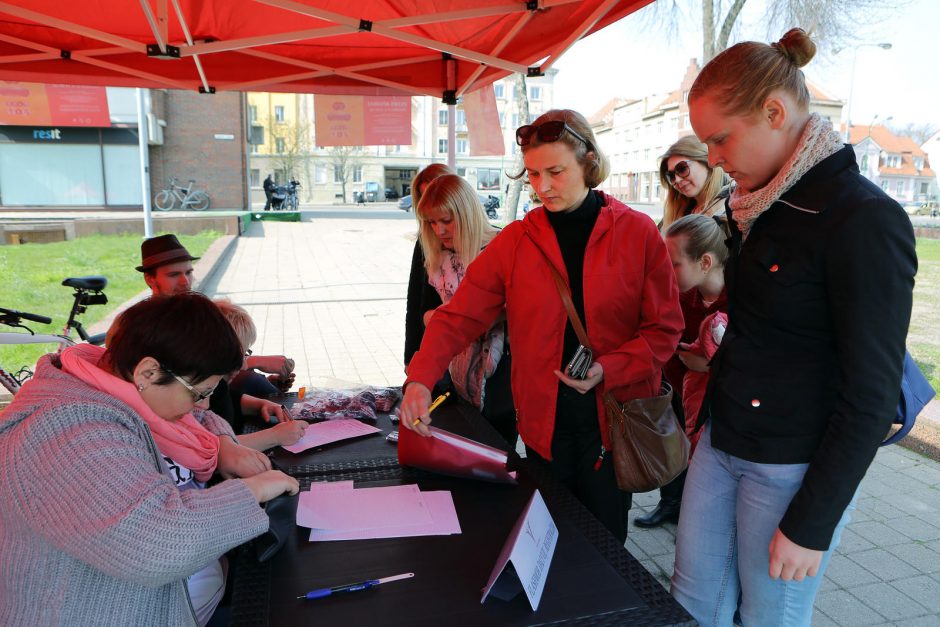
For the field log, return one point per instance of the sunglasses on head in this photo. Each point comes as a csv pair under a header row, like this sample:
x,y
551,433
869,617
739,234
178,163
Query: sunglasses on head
x,y
546,132
682,169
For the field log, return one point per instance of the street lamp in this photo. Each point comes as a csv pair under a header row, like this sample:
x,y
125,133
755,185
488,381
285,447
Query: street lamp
x,y
848,122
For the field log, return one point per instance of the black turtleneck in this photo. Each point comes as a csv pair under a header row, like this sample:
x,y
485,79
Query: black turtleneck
x,y
573,230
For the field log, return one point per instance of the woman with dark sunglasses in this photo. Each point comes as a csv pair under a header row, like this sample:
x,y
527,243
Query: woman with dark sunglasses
x,y
623,289
692,186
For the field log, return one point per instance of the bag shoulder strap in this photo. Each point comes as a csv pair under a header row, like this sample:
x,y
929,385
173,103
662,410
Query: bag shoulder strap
x,y
565,294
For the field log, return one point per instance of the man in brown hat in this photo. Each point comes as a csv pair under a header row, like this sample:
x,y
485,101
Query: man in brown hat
x,y
168,270
167,265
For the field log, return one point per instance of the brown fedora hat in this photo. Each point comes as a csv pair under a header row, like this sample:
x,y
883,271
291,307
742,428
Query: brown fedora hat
x,y
159,251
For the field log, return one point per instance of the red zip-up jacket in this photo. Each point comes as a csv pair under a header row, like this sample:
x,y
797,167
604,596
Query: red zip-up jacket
x,y
631,306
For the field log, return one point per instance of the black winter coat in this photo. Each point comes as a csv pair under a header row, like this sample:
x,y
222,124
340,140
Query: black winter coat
x,y
809,370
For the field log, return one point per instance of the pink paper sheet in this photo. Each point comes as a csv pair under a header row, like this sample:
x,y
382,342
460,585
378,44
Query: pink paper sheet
x,y
441,506
320,433
365,508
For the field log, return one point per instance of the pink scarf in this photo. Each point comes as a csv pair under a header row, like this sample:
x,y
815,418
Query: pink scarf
x,y
185,441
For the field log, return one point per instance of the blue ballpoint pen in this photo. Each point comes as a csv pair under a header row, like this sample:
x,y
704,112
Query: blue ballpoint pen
x,y
353,587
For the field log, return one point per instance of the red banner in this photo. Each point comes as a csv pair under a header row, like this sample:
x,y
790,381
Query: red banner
x,y
483,131
34,104
362,120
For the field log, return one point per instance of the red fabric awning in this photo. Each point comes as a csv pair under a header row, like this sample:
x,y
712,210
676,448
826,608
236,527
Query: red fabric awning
x,y
317,46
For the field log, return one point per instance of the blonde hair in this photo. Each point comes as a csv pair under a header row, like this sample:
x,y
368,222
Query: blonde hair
x,y
425,176
241,322
592,160
703,234
676,203
743,76
453,195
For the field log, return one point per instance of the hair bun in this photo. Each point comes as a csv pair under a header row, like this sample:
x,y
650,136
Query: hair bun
x,y
797,46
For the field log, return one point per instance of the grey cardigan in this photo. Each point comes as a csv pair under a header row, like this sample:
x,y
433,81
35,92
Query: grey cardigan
x,y
92,528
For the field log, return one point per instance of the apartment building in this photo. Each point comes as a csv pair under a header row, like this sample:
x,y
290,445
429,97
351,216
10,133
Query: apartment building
x,y
896,163
634,133
282,141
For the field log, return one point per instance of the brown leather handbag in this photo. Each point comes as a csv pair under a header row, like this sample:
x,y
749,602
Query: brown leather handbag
x,y
648,444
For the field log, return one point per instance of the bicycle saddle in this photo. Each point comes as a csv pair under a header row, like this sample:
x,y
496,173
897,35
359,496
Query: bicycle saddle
x,y
95,283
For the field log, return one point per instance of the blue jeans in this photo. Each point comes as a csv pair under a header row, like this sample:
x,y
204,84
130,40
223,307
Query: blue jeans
x,y
730,510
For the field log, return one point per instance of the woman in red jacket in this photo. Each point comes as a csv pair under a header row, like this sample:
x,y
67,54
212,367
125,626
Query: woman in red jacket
x,y
622,285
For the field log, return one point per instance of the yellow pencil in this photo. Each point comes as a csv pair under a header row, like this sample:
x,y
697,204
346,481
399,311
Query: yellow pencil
x,y
437,401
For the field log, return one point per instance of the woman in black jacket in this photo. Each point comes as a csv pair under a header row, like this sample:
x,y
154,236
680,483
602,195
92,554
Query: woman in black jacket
x,y
806,382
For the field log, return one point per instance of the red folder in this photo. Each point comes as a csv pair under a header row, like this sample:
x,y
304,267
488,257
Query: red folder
x,y
452,454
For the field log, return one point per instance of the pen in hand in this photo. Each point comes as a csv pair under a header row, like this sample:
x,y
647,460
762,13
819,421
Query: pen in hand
x,y
353,587
437,402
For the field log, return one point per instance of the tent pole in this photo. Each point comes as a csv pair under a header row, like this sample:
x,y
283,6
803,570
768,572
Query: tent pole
x,y
144,163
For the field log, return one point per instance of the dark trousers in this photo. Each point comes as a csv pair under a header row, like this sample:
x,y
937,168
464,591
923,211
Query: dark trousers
x,y
267,195
576,444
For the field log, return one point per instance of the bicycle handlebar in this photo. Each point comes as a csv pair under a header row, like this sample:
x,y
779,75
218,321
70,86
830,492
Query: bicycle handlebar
x,y
26,316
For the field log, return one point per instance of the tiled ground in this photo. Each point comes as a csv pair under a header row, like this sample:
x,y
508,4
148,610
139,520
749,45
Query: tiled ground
x,y
330,292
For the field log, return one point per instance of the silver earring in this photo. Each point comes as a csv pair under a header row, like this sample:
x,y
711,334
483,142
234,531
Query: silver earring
x,y
140,387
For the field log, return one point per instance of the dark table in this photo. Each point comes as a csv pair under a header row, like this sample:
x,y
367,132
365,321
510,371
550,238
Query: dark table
x,y
592,580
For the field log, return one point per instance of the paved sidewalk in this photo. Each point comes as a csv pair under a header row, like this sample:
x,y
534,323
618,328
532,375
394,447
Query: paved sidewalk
x,y
330,292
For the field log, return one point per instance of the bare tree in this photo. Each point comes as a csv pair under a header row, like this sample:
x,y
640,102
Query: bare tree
x,y
290,146
522,110
344,159
832,23
919,132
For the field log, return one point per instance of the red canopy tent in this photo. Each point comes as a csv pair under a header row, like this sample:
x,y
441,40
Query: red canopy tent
x,y
441,48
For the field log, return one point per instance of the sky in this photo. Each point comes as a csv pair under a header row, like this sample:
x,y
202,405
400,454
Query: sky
x,y
633,59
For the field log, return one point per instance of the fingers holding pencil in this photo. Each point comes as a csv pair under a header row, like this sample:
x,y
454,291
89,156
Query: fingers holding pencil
x,y
416,408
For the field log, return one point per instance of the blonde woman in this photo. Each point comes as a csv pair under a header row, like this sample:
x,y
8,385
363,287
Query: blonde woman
x,y
453,230
692,185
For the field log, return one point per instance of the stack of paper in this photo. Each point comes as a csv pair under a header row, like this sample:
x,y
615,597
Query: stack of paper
x,y
320,433
336,511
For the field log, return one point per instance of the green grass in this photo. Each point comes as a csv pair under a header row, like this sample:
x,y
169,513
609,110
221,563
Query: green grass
x,y
923,339
32,276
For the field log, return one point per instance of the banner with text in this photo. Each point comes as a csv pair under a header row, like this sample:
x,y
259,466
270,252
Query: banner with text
x,y
362,120
35,104
486,137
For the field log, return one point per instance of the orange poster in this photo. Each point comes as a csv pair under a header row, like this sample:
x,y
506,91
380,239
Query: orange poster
x,y
35,104
483,131
362,120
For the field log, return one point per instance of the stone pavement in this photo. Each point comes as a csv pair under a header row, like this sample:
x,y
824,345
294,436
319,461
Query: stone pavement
x,y
330,292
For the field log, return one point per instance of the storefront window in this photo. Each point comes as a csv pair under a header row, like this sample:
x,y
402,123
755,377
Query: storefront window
x,y
34,174
122,175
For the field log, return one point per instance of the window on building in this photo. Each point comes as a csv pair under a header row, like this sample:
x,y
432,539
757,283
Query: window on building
x,y
319,173
535,93
923,189
462,147
357,174
863,166
498,90
461,171
442,117
257,136
442,145
461,118
255,177
253,113
884,185
488,178
279,145
515,121
502,119
900,188
279,113
919,163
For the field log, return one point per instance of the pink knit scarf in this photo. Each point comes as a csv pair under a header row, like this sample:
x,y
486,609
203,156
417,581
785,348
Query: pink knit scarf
x,y
185,440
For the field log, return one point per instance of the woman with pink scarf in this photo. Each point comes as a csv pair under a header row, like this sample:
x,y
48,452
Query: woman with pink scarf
x,y
104,455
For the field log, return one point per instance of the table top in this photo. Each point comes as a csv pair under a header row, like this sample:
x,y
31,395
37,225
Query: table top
x,y
592,580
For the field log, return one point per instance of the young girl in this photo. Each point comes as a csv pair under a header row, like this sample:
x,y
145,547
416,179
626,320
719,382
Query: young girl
x,y
696,245
805,384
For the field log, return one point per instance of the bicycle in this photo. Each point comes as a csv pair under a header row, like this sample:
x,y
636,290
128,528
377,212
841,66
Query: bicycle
x,y
187,197
88,291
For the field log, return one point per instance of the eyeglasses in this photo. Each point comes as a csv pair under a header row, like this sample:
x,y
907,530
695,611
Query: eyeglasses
x,y
549,131
198,396
682,169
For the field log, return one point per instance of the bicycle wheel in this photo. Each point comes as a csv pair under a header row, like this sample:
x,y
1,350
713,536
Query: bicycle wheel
x,y
198,201
164,201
